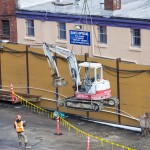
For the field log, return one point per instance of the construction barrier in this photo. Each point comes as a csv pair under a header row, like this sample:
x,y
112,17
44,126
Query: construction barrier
x,y
102,141
88,143
33,107
58,126
12,93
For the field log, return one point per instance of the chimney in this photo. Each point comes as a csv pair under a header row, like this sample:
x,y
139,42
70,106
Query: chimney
x,y
112,4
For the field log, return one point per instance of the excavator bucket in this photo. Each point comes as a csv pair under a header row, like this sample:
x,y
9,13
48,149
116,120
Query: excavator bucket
x,y
58,82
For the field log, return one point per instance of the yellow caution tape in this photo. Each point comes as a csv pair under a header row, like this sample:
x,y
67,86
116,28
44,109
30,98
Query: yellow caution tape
x,y
68,125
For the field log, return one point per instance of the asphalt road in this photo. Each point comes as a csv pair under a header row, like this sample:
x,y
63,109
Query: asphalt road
x,y
41,132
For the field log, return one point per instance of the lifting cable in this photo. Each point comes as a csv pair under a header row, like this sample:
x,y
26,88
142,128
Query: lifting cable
x,y
105,68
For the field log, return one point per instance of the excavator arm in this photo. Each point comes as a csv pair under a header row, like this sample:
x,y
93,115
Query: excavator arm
x,y
49,51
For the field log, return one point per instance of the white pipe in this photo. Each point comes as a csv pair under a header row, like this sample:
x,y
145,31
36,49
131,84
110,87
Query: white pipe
x,y
47,99
104,123
118,126
121,115
34,89
92,40
123,112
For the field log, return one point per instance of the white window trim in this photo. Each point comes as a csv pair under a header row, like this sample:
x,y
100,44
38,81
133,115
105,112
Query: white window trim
x,y
134,47
60,39
101,43
30,38
27,34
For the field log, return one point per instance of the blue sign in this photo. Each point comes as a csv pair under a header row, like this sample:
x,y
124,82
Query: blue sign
x,y
79,37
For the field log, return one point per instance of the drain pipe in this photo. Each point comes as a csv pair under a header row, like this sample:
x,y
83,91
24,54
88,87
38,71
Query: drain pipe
x,y
131,128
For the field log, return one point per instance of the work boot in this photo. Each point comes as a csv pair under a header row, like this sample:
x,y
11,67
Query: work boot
x,y
20,145
27,146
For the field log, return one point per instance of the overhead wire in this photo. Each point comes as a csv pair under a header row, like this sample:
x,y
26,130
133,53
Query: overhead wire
x,y
8,50
106,68
82,15
86,16
12,51
83,11
123,76
93,30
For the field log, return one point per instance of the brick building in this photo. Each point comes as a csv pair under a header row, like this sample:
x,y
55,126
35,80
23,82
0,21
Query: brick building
x,y
8,25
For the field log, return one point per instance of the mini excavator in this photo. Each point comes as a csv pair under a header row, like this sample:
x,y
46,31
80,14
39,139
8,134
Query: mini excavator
x,y
92,93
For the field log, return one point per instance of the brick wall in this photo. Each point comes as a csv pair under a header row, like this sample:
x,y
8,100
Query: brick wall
x,y
8,12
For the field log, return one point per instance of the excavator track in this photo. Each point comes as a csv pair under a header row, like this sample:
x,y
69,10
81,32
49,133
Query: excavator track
x,y
90,105
81,105
111,102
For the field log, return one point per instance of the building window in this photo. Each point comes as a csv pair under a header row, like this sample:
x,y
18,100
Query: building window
x,y
30,27
5,28
62,31
103,34
136,37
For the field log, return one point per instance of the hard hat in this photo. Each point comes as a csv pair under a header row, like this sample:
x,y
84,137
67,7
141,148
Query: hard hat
x,y
18,117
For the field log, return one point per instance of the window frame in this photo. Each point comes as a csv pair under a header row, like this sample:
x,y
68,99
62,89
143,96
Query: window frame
x,y
103,34
30,28
135,38
7,33
62,31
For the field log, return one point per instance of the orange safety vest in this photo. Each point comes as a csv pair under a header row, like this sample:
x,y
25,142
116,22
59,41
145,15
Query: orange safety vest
x,y
19,126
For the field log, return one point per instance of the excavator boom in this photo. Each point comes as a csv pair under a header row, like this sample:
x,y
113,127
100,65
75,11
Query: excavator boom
x,y
49,51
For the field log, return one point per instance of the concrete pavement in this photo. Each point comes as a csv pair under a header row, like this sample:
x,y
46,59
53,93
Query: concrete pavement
x,y
40,131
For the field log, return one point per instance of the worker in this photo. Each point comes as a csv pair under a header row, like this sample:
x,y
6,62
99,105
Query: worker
x,y
19,126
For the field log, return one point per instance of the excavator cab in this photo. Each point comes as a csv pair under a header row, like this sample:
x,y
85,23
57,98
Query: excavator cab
x,y
93,86
93,74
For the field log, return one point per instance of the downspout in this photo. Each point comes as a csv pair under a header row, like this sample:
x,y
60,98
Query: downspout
x,y
92,41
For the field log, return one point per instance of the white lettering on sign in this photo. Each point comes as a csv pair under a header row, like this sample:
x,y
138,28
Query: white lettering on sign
x,y
79,37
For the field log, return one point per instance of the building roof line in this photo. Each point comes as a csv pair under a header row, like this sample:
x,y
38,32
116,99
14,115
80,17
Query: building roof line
x,y
96,20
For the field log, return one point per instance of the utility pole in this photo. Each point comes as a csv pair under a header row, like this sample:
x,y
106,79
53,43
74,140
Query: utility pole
x,y
56,90
1,50
86,57
118,60
27,68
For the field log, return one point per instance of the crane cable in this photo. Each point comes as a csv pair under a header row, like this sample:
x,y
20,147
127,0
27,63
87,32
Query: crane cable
x,y
84,12
93,29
